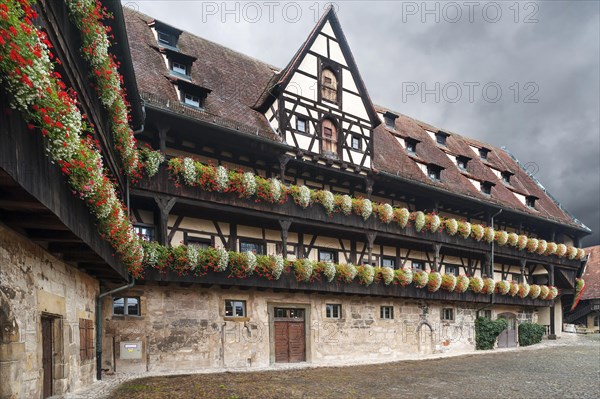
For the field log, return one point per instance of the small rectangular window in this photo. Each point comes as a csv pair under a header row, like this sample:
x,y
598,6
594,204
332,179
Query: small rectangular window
x,y
451,269
252,246
146,233
200,243
388,261
440,138
390,122
127,306
356,142
462,162
333,311
418,265
516,277
506,177
483,153
328,133
448,314
386,312
411,145
327,256
487,314
434,172
166,38
179,68
235,308
530,201
192,100
301,125
486,188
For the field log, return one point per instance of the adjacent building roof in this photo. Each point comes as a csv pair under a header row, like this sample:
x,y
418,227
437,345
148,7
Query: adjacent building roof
x,y
239,82
592,274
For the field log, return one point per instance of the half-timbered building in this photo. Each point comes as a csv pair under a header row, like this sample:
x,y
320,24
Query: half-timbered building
x,y
313,124
299,165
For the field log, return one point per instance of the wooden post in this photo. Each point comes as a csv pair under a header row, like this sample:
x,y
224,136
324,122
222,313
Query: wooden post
x,y
436,257
300,253
285,226
371,235
552,335
165,204
369,186
283,161
523,262
232,243
353,251
487,270
162,138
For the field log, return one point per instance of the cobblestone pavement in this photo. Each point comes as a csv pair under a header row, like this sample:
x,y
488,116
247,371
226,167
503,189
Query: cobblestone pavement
x,y
567,368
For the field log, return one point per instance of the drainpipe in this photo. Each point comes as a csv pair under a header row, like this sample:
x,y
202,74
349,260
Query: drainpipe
x,y
99,325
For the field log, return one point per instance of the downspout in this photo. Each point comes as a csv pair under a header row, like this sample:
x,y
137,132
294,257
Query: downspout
x,y
99,325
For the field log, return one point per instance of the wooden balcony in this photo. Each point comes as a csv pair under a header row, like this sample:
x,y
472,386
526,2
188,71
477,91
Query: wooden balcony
x,y
209,203
288,283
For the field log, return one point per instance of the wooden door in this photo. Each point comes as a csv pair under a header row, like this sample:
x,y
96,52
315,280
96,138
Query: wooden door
x,y
47,354
290,336
508,337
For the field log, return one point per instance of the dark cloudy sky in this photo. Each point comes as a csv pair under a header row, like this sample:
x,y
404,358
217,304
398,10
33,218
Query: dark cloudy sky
x,y
543,56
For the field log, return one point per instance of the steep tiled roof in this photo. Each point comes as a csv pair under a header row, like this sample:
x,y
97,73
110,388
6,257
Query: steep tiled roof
x,y
592,274
239,82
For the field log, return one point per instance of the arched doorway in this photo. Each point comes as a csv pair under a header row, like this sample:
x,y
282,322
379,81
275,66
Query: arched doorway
x,y
425,338
508,337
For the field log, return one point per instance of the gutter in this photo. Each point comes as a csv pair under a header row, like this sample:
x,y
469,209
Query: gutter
x,y
99,324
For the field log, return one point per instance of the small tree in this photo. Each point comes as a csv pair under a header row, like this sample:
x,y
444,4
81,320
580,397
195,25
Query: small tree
x,y
530,333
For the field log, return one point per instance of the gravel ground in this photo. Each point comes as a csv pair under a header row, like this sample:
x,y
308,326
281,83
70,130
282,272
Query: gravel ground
x,y
568,368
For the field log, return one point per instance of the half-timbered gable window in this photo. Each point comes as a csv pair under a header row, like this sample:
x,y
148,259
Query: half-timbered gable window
x,y
329,137
301,125
256,247
356,142
329,85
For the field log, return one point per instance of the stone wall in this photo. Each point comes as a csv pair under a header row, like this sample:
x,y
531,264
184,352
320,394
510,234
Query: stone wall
x,y
184,329
34,284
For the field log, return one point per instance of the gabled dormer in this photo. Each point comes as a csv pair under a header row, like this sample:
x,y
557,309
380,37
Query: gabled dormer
x,y
166,36
319,104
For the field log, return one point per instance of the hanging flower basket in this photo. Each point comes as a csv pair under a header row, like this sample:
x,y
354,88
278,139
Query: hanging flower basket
x,y
365,274
448,282
464,229
544,291
542,247
571,252
488,286
551,248
561,250
502,287
451,226
501,238
433,222
435,281
514,289
462,284
477,231
420,278
402,215
346,272
476,284
403,276
489,234
534,291
419,221
513,239
532,244
552,294
524,289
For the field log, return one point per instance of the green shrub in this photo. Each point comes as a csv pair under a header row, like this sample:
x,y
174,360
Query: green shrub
x,y
486,332
530,333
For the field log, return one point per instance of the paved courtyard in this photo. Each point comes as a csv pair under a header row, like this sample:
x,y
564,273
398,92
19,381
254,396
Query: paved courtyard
x,y
568,368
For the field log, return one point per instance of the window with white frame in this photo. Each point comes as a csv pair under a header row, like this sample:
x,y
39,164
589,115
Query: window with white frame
x,y
418,265
451,269
386,312
235,308
301,125
333,311
179,68
327,256
126,306
192,100
356,142
388,261
146,233
447,314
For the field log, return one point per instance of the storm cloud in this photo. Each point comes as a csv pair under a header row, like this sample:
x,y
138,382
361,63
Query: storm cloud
x,y
521,75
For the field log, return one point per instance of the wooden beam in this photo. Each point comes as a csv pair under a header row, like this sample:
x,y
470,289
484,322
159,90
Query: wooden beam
x,y
285,226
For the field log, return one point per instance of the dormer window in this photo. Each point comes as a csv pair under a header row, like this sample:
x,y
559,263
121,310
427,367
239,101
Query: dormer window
x,y
434,172
483,153
329,85
506,177
530,201
192,100
440,137
179,68
390,120
166,35
462,162
411,145
486,187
